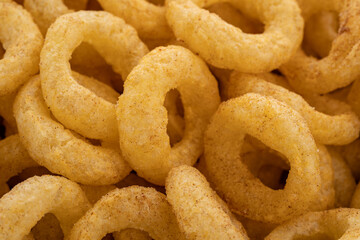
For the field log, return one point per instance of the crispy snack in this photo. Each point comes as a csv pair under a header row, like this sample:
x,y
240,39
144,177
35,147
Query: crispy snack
x,y
197,207
226,46
339,129
132,207
147,18
45,12
22,41
142,117
13,159
282,129
344,182
76,107
341,223
342,65
36,197
320,31
60,150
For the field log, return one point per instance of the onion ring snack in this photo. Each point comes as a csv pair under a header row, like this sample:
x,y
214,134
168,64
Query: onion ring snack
x,y
148,19
341,223
131,207
196,207
342,65
225,46
58,149
117,42
45,12
282,129
22,41
142,117
340,129
38,196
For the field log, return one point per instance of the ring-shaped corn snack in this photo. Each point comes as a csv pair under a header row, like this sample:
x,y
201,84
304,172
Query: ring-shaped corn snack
x,y
142,117
60,151
225,46
282,129
73,105
340,223
197,207
132,207
34,198
22,41
339,129
342,65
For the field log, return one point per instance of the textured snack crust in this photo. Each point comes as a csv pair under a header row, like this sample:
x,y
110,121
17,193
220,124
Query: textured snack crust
x,y
342,65
282,129
147,18
197,208
56,148
29,201
340,223
340,129
73,105
22,41
131,207
142,117
225,46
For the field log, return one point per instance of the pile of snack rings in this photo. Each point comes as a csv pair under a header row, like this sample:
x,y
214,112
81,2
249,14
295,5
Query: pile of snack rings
x,y
179,119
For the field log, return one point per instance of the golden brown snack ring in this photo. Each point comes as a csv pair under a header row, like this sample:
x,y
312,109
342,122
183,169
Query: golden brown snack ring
x,y
342,65
197,207
116,41
22,41
225,46
341,223
282,129
36,197
59,150
339,129
131,207
142,117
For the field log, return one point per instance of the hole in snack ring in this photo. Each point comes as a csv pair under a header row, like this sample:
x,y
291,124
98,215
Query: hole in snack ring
x,y
176,123
268,165
48,227
27,173
318,236
93,5
2,128
319,33
157,2
233,16
76,5
2,51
